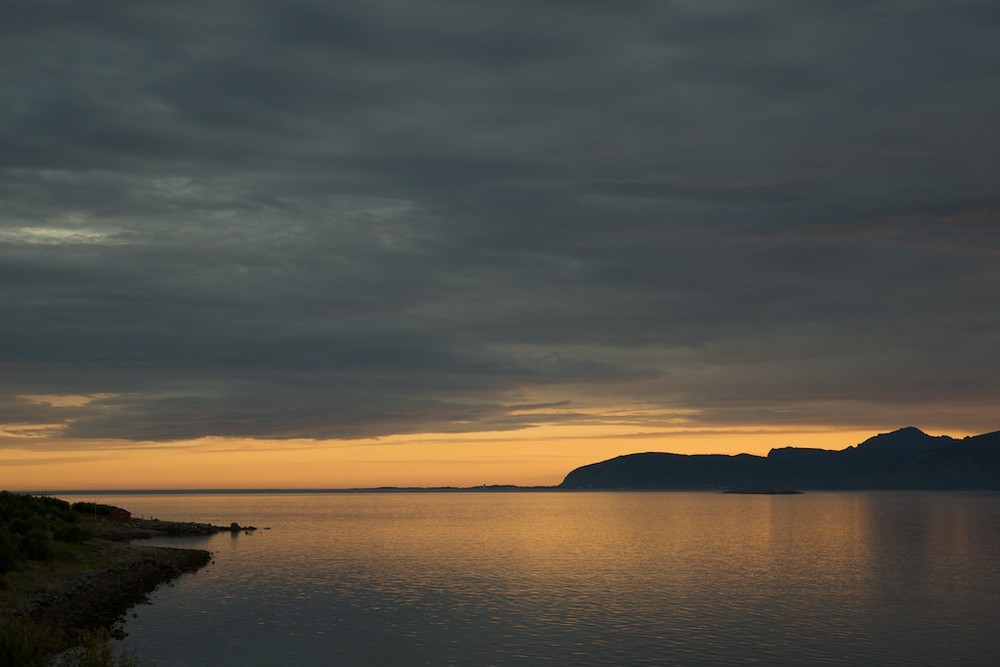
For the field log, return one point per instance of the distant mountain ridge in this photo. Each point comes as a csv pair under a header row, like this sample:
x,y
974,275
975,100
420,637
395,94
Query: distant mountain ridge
x,y
906,458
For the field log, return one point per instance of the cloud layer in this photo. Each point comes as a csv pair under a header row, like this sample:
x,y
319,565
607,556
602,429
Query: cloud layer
x,y
334,220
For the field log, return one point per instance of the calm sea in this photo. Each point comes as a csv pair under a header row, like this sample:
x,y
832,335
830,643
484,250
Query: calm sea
x,y
580,579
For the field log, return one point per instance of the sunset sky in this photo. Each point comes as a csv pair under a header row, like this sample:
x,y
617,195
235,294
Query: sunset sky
x,y
331,244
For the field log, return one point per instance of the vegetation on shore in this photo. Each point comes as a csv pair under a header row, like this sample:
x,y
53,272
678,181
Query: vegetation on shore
x,y
54,576
25,642
30,527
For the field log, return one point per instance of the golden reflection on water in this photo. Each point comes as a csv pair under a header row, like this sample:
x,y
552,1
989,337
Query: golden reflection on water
x,y
590,578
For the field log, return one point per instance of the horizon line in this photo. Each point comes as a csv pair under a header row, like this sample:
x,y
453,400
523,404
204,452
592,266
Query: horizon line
x,y
264,490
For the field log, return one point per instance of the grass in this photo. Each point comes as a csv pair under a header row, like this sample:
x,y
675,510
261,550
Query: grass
x,y
31,575
27,643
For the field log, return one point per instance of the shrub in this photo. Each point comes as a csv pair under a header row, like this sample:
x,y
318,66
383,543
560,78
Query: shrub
x,y
20,525
72,534
26,643
93,509
95,651
36,544
8,550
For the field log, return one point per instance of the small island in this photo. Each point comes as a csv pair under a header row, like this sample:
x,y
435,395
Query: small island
x,y
68,573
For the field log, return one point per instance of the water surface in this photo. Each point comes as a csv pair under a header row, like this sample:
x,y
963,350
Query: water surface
x,y
586,578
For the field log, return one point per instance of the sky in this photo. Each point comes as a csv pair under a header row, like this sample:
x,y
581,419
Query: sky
x,y
324,244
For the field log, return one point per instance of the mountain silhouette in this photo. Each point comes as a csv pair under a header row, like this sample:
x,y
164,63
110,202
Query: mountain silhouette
x,y
904,459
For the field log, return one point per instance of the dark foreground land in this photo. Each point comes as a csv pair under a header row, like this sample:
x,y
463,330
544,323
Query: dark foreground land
x,y
68,575
96,598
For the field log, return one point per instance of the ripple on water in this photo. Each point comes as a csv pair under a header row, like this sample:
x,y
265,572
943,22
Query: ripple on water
x,y
582,579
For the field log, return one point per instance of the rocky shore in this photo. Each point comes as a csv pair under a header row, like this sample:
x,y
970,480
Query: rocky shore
x,y
98,598
137,529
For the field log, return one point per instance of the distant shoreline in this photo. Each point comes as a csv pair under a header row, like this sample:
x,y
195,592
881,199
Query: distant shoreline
x,y
472,489
378,489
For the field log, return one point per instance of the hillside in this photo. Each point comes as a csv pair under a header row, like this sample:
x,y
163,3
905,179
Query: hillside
x,y
904,459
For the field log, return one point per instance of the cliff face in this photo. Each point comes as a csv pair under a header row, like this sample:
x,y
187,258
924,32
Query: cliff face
x,y
903,459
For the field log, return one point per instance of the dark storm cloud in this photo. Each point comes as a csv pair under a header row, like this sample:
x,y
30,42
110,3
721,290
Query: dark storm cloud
x,y
322,219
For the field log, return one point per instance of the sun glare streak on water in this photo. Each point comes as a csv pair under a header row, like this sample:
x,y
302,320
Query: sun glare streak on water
x,y
580,579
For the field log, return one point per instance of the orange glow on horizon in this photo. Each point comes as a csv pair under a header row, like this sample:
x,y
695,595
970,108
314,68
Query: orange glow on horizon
x,y
539,456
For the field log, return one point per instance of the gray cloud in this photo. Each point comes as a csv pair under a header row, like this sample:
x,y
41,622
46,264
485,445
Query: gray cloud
x,y
316,219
